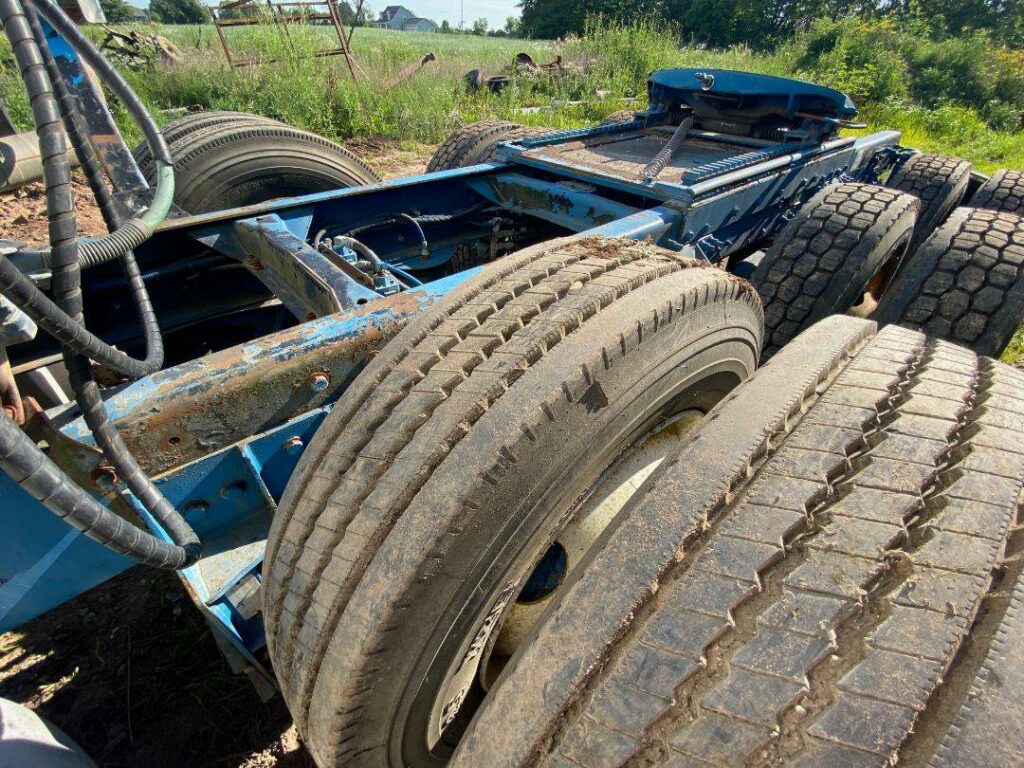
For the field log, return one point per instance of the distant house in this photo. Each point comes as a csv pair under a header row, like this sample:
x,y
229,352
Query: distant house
x,y
400,17
419,25
394,17
139,15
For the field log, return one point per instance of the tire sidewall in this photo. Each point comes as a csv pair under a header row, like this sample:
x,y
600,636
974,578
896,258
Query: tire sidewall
x,y
539,497
250,169
867,260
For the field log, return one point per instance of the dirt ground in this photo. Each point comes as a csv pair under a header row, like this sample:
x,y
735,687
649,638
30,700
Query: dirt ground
x,y
23,212
130,670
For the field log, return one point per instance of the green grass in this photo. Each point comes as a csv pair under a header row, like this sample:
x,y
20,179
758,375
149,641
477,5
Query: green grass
x,y
610,60
606,66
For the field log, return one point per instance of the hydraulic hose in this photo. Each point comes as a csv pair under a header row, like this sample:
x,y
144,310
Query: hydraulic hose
x,y
136,231
19,456
87,393
22,292
94,175
47,483
413,282
72,126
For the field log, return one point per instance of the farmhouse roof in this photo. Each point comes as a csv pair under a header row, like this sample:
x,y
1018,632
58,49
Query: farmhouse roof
x,y
416,20
391,11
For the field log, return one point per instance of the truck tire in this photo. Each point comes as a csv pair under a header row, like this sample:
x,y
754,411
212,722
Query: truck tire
x,y
451,463
451,152
178,129
241,163
476,143
965,284
939,182
470,145
1004,191
840,250
820,576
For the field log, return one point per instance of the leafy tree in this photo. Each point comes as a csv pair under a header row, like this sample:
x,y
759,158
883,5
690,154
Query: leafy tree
x,y
446,28
246,11
513,27
550,19
480,27
116,11
346,14
179,11
764,24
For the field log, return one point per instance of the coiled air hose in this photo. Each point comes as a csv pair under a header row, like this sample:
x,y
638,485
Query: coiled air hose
x,y
654,168
19,456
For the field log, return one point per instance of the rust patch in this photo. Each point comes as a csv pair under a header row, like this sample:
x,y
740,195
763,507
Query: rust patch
x,y
213,402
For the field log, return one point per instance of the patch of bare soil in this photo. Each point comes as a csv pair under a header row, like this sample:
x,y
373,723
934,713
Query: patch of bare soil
x,y
389,158
132,673
23,213
130,670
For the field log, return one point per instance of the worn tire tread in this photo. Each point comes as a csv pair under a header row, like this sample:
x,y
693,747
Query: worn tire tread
x,y
821,261
1004,191
790,595
200,156
382,444
939,182
965,284
176,131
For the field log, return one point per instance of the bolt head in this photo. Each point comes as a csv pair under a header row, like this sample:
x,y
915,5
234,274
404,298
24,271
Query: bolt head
x,y
319,381
293,446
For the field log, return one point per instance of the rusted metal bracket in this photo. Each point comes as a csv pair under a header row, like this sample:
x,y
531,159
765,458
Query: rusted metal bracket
x,y
183,413
308,283
406,72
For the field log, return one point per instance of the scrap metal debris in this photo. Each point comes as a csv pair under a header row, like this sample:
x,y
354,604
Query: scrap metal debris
x,y
135,49
523,64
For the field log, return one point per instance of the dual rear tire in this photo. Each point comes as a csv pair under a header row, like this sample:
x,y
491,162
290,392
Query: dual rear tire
x,y
838,252
902,254
435,487
828,573
227,160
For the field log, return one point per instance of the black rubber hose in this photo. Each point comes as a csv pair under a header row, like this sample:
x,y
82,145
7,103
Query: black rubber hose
x,y
87,393
18,455
136,231
73,128
22,292
47,483
108,74
154,344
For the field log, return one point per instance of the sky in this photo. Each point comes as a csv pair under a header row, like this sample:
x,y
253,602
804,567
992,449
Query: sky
x,y
495,11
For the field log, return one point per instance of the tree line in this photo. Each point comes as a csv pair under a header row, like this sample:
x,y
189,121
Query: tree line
x,y
197,12
762,24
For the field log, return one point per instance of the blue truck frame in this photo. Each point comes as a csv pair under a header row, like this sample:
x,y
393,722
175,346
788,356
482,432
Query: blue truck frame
x,y
223,432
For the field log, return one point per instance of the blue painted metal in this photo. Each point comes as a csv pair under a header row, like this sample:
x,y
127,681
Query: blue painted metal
x,y
729,164
655,224
569,204
308,284
575,134
185,422
694,86
131,192
224,431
